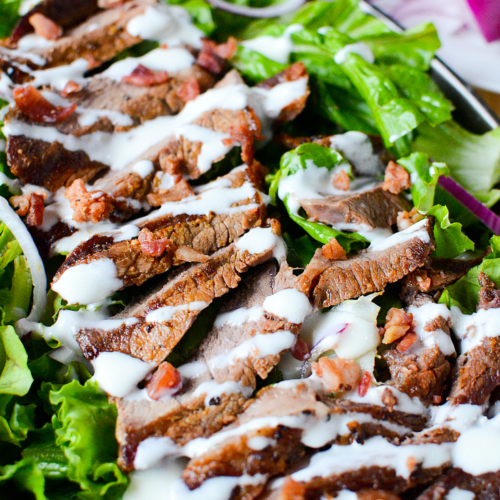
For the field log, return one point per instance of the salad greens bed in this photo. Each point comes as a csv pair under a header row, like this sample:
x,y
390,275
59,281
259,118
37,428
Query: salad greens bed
x,y
56,425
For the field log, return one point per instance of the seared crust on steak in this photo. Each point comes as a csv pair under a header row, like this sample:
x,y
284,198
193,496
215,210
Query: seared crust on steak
x,y
203,233
152,341
364,272
187,416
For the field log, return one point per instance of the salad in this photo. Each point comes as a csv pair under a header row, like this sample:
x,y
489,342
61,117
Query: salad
x,y
246,252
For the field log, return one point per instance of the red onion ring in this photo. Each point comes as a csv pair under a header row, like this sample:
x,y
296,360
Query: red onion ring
x,y
489,218
262,12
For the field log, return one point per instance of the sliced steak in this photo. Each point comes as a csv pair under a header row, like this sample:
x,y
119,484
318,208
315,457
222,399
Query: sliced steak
x,y
152,326
202,410
282,424
330,282
477,371
136,261
483,487
98,39
375,208
417,360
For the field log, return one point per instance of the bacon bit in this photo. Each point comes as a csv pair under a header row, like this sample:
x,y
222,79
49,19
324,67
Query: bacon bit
x,y
397,179
150,245
32,103
32,205
364,384
188,254
300,350
70,88
436,399
226,50
143,77
411,463
166,381
190,90
109,4
405,219
209,59
245,133
407,341
292,490
337,374
333,251
45,27
376,495
397,323
341,181
388,399
93,206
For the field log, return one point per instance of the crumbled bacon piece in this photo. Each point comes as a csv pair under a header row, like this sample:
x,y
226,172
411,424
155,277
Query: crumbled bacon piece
x,y
32,205
93,206
397,323
70,88
210,56
189,90
292,490
388,399
405,219
226,50
407,341
45,27
150,245
32,103
165,381
376,495
143,77
436,399
337,374
333,251
364,384
109,4
341,181
188,254
411,463
300,350
397,179
245,133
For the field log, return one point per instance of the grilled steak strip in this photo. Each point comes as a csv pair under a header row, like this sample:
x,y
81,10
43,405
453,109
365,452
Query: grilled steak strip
x,y
331,282
98,39
203,233
236,455
484,487
477,372
188,416
375,208
153,339
421,369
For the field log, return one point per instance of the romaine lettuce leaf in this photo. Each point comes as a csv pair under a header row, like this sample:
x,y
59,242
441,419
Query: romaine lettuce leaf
x,y
200,11
473,160
424,178
9,14
465,292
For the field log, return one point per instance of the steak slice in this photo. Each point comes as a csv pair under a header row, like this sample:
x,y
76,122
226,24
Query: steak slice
x,y
211,398
484,487
204,233
98,39
477,371
281,424
100,95
152,326
375,208
417,360
331,282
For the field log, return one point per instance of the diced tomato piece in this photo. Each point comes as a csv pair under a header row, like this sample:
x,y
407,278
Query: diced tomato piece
x,y
364,384
165,381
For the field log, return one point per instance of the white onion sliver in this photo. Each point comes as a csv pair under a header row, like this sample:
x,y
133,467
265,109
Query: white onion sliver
x,y
23,237
271,11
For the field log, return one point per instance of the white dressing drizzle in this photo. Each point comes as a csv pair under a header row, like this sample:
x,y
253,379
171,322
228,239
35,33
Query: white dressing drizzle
x,y
239,316
88,283
459,494
118,373
473,329
276,48
423,316
360,48
290,304
415,231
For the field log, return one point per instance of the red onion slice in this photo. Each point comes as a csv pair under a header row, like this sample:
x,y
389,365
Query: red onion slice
x,y
272,11
482,212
